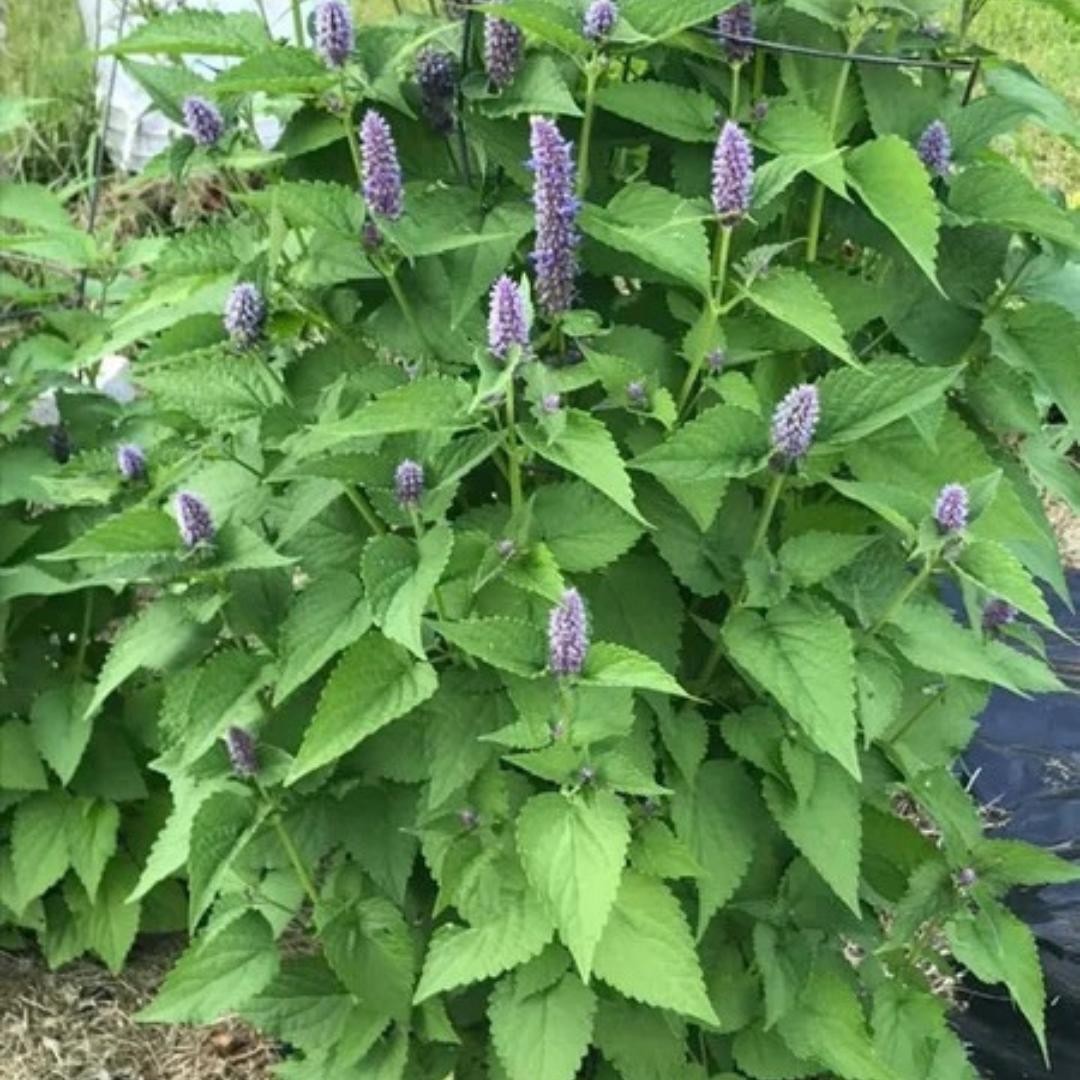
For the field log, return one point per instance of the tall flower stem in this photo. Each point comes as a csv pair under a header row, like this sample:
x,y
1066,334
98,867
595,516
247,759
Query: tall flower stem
x,y
904,594
592,75
759,76
289,847
768,509
818,206
298,23
513,453
403,303
721,256
364,509
354,142
736,79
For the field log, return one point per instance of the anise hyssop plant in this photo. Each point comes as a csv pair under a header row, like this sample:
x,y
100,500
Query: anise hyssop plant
x,y
484,579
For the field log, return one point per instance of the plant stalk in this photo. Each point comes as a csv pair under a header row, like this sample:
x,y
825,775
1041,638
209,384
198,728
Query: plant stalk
x,y
288,846
721,256
818,206
768,509
298,24
904,594
592,75
513,454
364,509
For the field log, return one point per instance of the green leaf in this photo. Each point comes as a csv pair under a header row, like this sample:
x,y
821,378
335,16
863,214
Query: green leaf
x,y
109,926
1000,573
677,111
825,825
328,616
997,947
503,643
548,21
855,404
542,1036
808,559
895,186
1014,862
211,32
374,683
312,204
658,227
139,531
20,766
40,853
220,831
659,20
647,953
999,194
801,652
642,1043
538,88
400,579
616,665
799,134
283,69
61,729
586,448
717,818
792,297
458,956
573,852
219,973
91,829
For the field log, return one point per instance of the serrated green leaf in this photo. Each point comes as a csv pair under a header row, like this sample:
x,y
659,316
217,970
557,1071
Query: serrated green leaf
x,y
801,652
214,33
642,1043
109,925
573,852
374,683
20,766
538,88
809,558
507,644
659,20
615,665
1001,574
40,855
584,530
61,729
312,204
139,531
1015,862
647,953
91,829
895,186
677,111
283,69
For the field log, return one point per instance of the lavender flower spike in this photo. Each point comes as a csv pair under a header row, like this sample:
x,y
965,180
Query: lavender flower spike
x,y
568,635
243,755
193,519
733,175
437,77
131,461
935,149
504,47
951,508
245,314
409,484
996,614
600,20
507,323
737,21
382,173
555,254
794,422
334,34
204,122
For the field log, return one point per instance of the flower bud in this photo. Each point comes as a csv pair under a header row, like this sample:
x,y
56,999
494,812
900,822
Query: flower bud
x,y
334,34
437,77
600,19
935,149
736,22
245,315
381,172
551,403
409,484
507,322
60,445
996,614
636,394
504,47
113,379
951,508
131,462
193,519
204,122
794,423
568,636
243,755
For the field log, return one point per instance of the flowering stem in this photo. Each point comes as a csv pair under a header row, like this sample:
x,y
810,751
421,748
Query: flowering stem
x,y
903,595
759,75
289,847
84,633
592,73
922,710
406,307
354,145
772,497
513,454
364,508
736,78
818,206
298,23
721,254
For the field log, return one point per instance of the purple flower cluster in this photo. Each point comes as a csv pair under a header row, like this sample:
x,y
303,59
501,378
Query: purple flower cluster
x,y
437,77
243,755
732,175
131,461
334,34
737,22
568,635
382,173
204,122
193,519
555,254
600,20
409,484
504,48
507,322
794,423
245,314
935,148
951,508
996,614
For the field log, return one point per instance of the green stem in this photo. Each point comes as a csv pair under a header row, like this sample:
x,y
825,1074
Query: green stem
x,y
905,725
298,23
406,307
592,73
736,79
513,455
721,255
759,76
289,847
364,508
818,206
84,633
768,509
904,594
354,146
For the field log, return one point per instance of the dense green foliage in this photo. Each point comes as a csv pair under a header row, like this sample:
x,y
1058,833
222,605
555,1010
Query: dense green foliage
x,y
733,843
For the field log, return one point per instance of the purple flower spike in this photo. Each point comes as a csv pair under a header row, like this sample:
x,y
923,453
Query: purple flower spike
x,y
334,35
245,314
193,519
555,254
437,77
794,421
131,461
733,175
551,403
507,322
382,173
243,755
504,47
568,635
996,614
600,20
204,122
935,149
951,508
737,21
409,484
